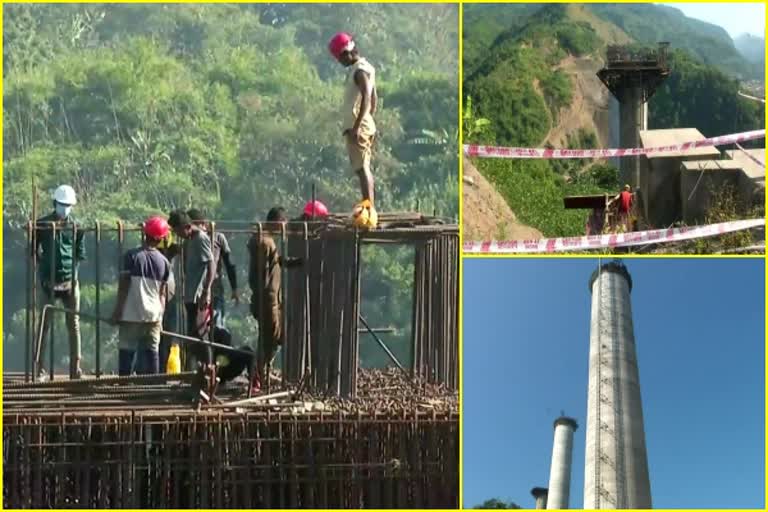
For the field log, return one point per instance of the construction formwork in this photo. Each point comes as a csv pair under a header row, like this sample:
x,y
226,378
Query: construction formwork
x,y
321,298
221,459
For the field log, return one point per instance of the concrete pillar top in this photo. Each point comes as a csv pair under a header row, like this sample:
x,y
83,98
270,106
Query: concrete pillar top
x,y
565,420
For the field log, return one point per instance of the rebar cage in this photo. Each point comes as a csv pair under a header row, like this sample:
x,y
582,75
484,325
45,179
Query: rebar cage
x,y
321,306
104,443
217,460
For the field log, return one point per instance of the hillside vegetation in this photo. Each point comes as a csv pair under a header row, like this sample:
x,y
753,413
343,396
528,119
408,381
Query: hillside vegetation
x,y
520,80
229,108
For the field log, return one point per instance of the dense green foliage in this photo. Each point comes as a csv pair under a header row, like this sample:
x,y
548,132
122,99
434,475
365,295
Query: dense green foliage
x,y
495,503
230,108
700,96
515,85
707,43
504,89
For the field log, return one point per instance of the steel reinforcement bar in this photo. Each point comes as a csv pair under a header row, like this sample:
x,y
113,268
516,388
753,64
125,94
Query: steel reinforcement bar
x,y
321,298
167,459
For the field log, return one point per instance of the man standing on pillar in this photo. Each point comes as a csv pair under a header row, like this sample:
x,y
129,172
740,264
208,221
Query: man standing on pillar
x,y
59,252
359,128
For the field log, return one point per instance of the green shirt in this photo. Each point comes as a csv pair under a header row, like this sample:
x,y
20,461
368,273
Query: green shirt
x,y
67,252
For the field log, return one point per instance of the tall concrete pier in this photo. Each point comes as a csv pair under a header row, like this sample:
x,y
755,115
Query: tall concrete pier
x,y
560,470
540,495
616,468
633,76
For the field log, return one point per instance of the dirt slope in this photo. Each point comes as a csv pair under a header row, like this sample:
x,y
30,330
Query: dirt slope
x,y
589,104
485,214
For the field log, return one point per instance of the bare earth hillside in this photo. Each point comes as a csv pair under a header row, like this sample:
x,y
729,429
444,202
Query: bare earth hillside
x,y
485,213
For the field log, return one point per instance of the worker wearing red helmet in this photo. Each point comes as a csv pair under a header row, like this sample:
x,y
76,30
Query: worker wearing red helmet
x,y
360,100
142,294
314,210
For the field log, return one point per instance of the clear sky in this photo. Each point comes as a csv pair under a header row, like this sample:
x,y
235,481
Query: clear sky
x,y
735,18
699,329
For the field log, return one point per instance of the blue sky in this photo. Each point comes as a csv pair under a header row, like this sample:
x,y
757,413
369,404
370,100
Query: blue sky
x,y
735,18
699,329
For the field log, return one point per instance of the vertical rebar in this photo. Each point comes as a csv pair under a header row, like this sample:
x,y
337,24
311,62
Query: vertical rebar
x,y
307,356
97,263
283,303
51,298
28,297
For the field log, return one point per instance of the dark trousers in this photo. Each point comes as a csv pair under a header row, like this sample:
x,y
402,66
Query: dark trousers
x,y
200,352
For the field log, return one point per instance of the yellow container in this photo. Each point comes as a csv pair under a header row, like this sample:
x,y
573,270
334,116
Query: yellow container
x,y
174,360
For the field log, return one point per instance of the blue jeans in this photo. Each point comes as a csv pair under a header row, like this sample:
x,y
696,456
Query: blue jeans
x,y
218,304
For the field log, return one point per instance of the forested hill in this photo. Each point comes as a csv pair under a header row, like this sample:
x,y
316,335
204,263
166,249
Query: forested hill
x,y
644,23
521,76
232,108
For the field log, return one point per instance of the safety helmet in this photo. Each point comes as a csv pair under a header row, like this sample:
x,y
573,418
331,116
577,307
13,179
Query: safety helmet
x,y
627,187
315,209
157,228
340,43
65,195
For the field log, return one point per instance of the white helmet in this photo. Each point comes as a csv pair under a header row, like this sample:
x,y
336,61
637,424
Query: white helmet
x,y
65,195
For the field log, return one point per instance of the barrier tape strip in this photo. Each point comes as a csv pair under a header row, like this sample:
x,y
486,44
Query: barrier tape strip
x,y
748,155
502,152
549,245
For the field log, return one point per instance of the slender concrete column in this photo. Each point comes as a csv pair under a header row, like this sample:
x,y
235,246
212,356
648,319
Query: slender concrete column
x,y
540,494
616,465
560,471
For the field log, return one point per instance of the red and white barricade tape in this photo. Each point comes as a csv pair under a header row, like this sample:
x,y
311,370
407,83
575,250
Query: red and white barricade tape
x,y
579,243
500,152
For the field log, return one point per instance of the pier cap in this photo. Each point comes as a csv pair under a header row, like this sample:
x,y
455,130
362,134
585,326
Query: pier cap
x,y
565,420
616,267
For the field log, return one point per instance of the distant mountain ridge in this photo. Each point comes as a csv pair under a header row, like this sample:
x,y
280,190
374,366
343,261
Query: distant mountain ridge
x,y
484,25
751,47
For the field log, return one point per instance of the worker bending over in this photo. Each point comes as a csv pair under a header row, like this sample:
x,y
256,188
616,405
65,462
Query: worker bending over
x,y
59,278
358,127
142,295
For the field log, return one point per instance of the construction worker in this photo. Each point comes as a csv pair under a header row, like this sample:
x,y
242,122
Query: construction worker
x,y
358,127
170,248
199,270
142,295
314,210
59,278
264,278
222,255
625,207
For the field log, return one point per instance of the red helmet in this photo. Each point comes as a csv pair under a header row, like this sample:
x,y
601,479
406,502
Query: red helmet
x,y
157,228
315,209
340,43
